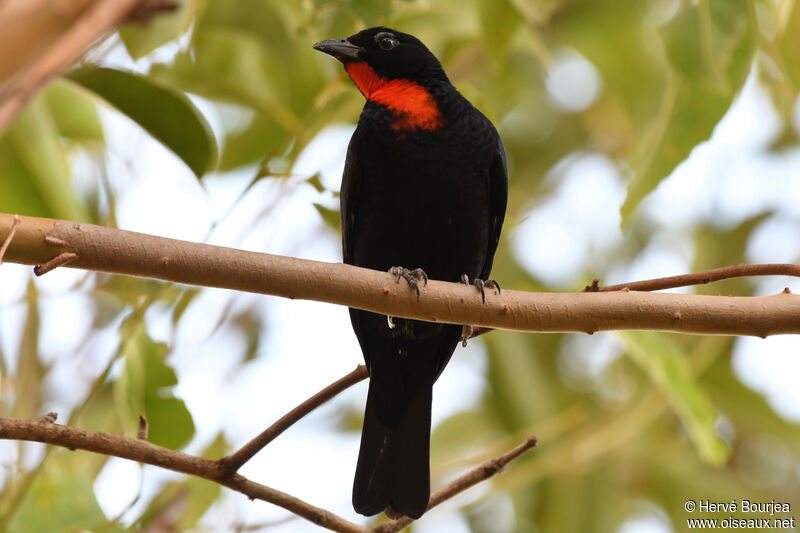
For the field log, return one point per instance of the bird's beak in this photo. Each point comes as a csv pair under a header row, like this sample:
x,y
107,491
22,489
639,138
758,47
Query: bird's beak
x,y
341,49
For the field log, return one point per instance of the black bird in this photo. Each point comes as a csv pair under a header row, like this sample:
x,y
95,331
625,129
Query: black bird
x,y
424,186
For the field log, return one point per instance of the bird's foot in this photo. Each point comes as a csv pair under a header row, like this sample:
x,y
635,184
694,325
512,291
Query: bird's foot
x,y
413,277
482,285
466,333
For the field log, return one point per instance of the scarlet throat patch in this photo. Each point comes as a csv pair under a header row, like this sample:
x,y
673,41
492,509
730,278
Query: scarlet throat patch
x,y
412,104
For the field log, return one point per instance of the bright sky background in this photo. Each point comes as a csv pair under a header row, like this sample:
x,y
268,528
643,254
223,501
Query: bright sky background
x,y
308,344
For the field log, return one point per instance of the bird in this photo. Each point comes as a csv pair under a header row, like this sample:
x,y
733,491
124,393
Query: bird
x,y
423,194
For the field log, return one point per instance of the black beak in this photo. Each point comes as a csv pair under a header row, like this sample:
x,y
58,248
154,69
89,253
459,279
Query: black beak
x,y
341,49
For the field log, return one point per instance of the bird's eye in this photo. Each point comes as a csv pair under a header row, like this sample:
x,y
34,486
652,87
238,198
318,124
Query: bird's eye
x,y
386,42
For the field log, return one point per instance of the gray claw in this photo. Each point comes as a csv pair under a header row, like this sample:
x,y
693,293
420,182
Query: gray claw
x,y
490,283
413,277
466,333
480,284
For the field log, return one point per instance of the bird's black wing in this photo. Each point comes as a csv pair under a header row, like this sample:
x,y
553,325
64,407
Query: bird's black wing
x,y
498,197
349,193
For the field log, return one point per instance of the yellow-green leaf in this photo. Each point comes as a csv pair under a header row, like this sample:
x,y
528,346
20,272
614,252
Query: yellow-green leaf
x,y
38,176
662,361
74,112
167,115
145,389
60,499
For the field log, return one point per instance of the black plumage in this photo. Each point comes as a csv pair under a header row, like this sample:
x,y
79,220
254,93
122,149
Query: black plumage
x,y
424,186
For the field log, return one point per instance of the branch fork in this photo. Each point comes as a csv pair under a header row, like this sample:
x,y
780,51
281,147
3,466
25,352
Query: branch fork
x,y
223,471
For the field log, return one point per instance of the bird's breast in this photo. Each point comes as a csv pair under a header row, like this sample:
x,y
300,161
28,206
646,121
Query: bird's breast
x,y
411,105
427,206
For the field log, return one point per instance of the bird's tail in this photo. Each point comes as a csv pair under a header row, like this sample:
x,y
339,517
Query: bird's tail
x,y
393,463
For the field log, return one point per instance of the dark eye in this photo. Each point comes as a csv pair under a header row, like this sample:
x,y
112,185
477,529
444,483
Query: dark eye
x,y
386,42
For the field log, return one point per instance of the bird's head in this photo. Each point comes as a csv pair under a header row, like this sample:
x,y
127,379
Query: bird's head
x,y
393,69
389,53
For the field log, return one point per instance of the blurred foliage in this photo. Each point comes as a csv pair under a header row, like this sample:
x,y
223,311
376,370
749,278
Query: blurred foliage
x,y
665,421
167,115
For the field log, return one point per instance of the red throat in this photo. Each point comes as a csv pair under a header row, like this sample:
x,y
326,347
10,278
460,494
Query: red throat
x,y
412,104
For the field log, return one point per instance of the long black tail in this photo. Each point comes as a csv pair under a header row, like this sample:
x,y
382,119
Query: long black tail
x,y
394,463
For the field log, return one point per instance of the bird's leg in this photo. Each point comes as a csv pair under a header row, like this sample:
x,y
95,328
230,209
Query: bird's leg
x,y
481,284
413,277
466,331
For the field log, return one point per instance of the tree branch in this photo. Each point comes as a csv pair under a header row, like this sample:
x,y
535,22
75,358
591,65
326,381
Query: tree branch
x,y
98,20
480,473
38,240
700,278
233,462
44,430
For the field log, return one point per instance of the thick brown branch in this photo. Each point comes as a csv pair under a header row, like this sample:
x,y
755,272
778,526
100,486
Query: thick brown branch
x,y
700,278
98,20
480,473
44,430
233,462
124,252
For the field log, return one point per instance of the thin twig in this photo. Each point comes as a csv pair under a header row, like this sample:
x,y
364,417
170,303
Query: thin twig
x,y
60,260
144,428
700,278
480,473
8,239
43,430
233,462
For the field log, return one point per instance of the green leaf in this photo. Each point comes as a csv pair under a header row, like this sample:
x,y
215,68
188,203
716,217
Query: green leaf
x,y
779,63
167,115
710,46
192,496
329,216
232,66
144,389
30,374
35,178
715,247
789,45
74,112
202,493
184,300
688,116
315,181
18,191
462,434
749,410
141,39
521,371
662,361
60,499
251,144
499,21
